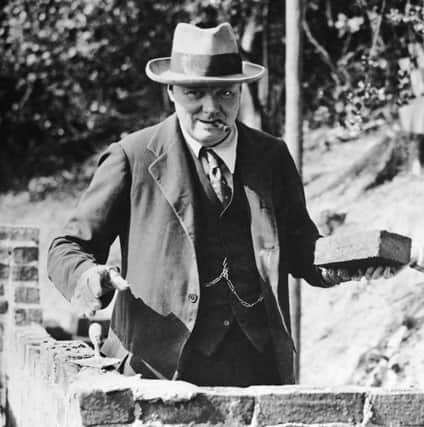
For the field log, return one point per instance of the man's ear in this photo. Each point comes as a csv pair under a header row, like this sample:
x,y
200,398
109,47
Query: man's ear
x,y
169,89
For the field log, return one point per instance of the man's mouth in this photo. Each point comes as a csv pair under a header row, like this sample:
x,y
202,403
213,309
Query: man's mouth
x,y
217,123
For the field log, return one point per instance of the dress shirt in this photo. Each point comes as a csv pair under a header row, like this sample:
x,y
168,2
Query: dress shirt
x,y
226,150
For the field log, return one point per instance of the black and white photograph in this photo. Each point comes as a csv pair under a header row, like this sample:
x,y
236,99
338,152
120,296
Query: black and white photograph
x,y
211,213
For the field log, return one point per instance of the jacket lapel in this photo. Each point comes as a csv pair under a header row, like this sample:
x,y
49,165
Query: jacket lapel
x,y
171,173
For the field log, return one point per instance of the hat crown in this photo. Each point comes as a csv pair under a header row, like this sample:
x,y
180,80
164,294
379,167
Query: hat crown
x,y
203,56
190,39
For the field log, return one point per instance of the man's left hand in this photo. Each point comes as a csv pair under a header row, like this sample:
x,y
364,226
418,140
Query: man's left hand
x,y
334,277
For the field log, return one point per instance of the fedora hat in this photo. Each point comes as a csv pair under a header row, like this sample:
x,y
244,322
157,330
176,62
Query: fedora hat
x,y
203,56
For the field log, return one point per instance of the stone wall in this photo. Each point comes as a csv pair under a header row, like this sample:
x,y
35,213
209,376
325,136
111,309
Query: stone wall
x,y
43,387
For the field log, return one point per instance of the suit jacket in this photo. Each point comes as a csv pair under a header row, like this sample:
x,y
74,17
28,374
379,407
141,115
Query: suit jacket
x,y
142,193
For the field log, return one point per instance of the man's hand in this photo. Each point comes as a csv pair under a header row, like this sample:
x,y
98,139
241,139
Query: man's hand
x,y
94,283
334,277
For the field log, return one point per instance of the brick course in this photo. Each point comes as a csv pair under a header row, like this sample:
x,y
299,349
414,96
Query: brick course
x,y
29,295
24,272
25,254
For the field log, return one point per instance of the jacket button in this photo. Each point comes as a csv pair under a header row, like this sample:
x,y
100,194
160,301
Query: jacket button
x,y
193,298
227,323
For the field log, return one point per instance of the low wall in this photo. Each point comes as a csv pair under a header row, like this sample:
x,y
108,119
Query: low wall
x,y
46,389
43,387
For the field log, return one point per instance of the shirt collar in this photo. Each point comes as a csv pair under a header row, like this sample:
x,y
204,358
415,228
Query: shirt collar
x,y
226,150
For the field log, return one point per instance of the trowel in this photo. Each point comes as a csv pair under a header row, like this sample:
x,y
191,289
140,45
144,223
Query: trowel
x,y
97,361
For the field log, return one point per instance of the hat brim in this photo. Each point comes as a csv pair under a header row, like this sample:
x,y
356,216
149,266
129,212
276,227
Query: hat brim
x,y
158,70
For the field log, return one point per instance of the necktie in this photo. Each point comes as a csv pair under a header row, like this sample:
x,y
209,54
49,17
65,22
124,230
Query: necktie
x,y
216,176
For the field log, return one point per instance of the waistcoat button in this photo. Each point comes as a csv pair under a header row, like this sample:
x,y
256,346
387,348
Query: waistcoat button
x,y
193,298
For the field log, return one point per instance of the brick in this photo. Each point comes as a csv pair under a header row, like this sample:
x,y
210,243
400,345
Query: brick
x,y
309,406
25,316
35,315
4,306
24,272
204,409
29,295
316,425
363,249
391,407
4,254
23,234
4,271
112,407
20,317
2,289
25,254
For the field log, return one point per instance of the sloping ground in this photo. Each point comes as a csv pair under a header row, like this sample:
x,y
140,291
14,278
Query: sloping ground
x,y
357,333
366,333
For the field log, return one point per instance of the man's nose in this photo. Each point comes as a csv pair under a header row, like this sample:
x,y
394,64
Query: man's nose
x,y
210,104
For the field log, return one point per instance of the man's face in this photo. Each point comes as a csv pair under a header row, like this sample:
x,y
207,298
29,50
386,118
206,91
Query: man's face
x,y
207,113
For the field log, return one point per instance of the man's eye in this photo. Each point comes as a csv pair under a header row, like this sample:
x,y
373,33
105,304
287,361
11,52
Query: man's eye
x,y
227,94
193,94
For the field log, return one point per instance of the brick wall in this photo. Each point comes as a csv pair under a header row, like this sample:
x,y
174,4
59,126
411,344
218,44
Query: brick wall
x,y
43,387
19,290
46,389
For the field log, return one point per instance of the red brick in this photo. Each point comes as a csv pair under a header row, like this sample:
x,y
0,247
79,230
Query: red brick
x,y
24,272
25,254
363,249
4,271
27,295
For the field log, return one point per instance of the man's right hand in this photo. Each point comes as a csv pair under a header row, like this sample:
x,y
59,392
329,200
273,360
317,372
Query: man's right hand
x,y
94,283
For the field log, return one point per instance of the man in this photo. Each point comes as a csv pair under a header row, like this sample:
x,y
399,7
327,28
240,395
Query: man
x,y
211,218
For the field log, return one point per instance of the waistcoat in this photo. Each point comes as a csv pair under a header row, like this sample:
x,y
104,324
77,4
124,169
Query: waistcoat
x,y
225,234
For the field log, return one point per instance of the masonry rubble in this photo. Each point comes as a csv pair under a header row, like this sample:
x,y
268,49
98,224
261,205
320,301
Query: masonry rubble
x,y
41,386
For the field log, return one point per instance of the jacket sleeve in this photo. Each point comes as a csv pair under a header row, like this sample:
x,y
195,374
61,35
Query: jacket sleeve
x,y
97,220
302,233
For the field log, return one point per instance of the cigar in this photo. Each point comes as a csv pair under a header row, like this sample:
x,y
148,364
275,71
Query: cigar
x,y
222,126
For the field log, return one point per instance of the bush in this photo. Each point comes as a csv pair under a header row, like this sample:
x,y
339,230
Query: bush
x,y
72,77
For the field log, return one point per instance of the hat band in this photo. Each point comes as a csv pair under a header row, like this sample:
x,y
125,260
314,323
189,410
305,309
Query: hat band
x,y
223,64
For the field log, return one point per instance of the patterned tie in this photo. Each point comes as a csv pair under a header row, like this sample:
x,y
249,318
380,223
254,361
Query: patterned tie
x,y
216,176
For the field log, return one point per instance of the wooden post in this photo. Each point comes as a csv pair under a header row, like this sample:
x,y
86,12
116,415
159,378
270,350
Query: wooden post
x,y
293,133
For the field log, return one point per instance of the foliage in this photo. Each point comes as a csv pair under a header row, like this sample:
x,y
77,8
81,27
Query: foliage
x,y
72,76
366,41
72,71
